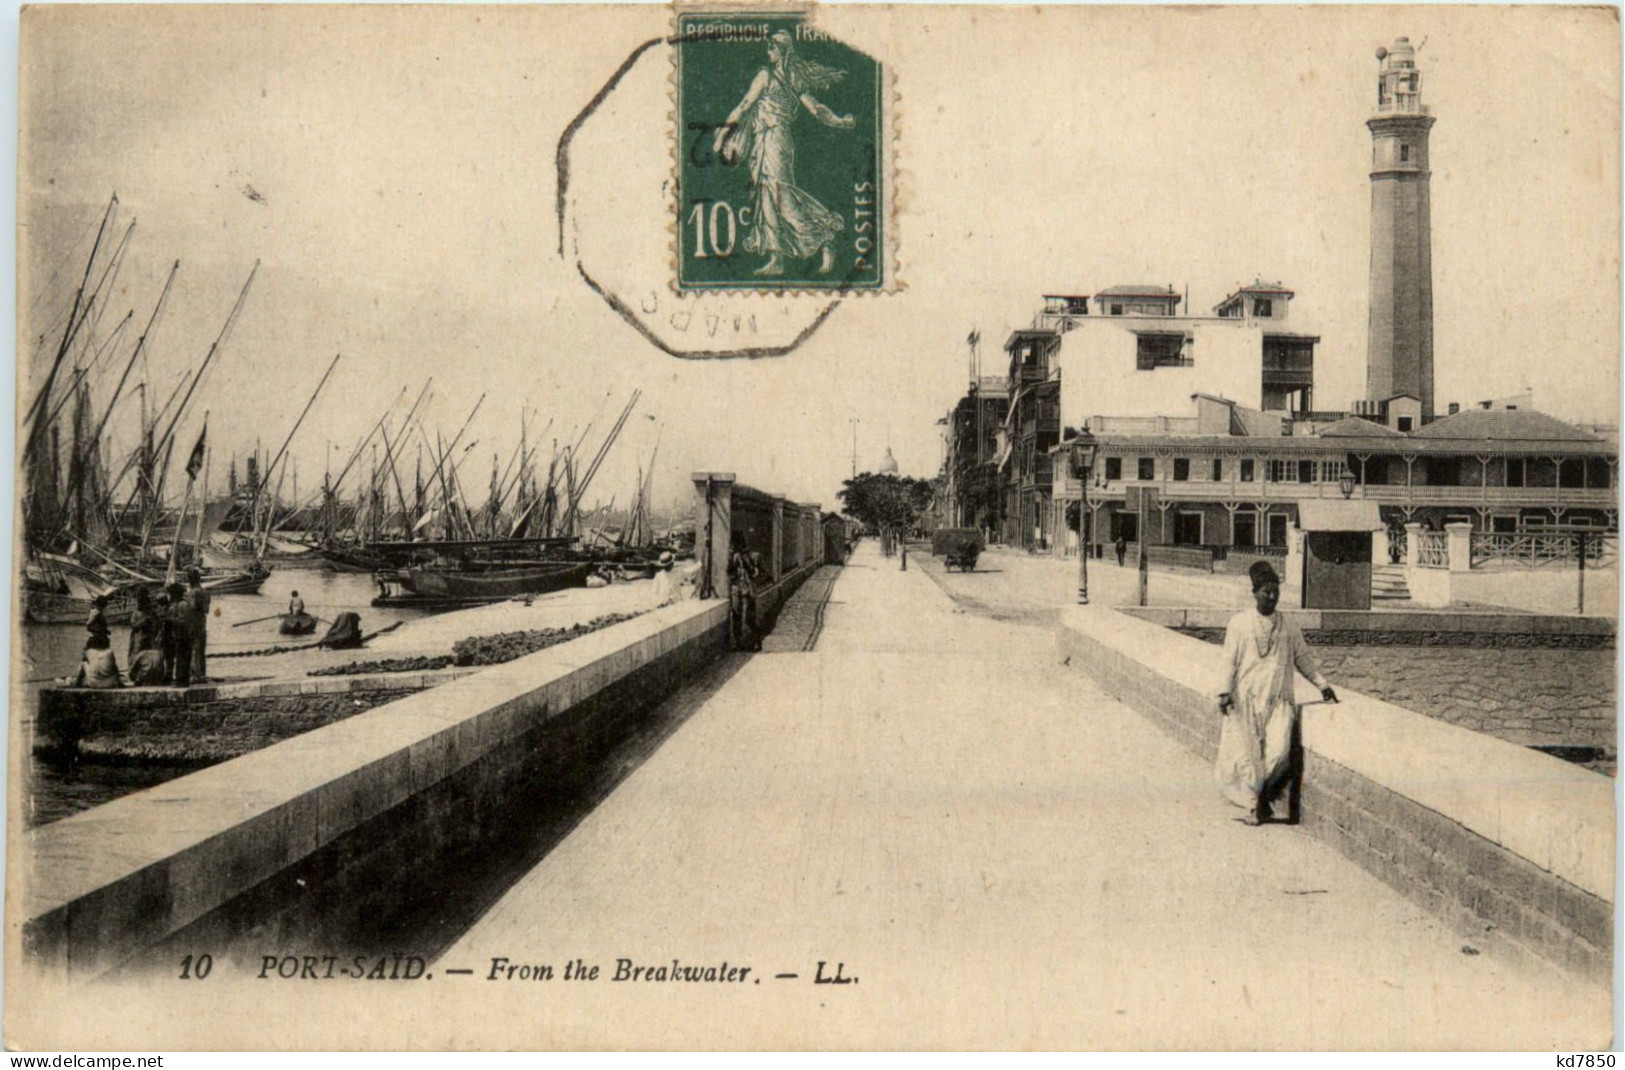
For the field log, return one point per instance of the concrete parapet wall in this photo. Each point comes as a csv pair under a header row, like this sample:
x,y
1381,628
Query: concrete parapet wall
x,y
1516,843
1545,590
1428,586
346,808
67,715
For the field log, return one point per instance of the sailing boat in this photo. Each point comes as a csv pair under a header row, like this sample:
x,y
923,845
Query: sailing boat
x,y
467,570
77,547
253,548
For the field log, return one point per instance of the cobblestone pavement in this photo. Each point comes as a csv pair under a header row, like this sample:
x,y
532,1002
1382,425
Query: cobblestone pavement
x,y
1012,585
801,619
1001,856
1526,696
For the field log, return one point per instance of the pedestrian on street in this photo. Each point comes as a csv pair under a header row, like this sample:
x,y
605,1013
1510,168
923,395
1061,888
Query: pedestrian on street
x,y
1259,757
160,615
197,602
178,638
144,625
744,569
1122,549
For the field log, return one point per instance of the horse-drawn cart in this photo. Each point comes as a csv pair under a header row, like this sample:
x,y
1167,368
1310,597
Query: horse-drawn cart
x,y
958,547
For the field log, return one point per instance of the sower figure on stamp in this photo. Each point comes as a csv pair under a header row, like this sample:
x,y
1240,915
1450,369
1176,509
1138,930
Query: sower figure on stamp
x,y
1258,735
785,220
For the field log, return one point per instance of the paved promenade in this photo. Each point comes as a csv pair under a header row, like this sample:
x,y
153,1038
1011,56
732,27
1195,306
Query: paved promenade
x,y
1002,856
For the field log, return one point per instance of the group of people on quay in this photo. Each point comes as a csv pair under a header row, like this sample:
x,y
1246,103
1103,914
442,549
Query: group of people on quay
x,y
169,639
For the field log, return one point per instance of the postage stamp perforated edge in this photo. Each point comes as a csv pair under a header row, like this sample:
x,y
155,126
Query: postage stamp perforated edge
x,y
887,145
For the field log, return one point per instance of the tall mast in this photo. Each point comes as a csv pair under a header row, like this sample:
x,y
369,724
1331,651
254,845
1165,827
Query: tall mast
x,y
214,349
68,331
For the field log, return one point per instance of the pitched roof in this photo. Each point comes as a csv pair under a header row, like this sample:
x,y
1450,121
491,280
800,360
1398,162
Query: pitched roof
x,y
1503,425
1354,426
1138,290
1022,334
1259,287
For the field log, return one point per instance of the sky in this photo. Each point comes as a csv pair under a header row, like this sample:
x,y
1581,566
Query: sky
x,y
392,172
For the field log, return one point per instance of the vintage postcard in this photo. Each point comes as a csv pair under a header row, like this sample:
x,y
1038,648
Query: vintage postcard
x,y
753,526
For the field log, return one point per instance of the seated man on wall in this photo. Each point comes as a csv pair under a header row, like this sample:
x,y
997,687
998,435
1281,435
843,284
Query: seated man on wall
x,y
98,668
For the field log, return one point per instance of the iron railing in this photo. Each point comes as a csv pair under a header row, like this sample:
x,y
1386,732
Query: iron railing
x,y
1432,549
1537,549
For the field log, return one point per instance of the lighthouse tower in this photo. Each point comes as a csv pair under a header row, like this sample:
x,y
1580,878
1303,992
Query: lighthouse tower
x,y
1399,355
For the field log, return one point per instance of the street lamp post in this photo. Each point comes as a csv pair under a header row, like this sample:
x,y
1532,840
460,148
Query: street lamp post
x,y
1083,453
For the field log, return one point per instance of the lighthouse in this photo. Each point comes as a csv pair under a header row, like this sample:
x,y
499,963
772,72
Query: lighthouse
x,y
1399,354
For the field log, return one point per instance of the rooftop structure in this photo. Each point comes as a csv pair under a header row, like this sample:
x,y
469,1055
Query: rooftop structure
x,y
1266,301
1137,300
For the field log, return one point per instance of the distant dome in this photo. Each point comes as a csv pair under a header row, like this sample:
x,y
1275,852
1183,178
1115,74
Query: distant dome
x,y
888,464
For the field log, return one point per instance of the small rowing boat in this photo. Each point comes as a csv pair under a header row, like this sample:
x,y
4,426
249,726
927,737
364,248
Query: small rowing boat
x,y
297,624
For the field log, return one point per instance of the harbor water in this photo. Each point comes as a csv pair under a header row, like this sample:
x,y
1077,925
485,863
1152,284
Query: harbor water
x,y
51,652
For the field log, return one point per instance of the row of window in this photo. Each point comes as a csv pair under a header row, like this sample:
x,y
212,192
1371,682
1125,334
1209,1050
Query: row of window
x,y
1279,471
1442,471
1263,307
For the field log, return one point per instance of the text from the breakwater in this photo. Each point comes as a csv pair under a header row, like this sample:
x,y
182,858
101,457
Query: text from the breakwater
x,y
673,971
407,967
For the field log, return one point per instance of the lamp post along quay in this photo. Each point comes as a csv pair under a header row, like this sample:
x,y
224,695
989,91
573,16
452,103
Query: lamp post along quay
x,y
1083,453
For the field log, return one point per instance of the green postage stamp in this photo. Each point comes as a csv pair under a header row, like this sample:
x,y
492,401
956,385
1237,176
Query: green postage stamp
x,y
784,146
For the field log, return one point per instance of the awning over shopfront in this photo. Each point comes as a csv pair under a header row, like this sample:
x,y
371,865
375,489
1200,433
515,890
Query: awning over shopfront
x,y
1320,515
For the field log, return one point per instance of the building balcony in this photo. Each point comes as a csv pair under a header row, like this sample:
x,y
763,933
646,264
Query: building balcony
x,y
1382,494
1573,497
1060,322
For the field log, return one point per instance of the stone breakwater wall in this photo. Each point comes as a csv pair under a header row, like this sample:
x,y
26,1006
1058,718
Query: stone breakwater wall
x,y
292,843
210,723
1408,627
1512,845
265,842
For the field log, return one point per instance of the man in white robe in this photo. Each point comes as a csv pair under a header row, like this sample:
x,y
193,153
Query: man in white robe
x,y
1259,715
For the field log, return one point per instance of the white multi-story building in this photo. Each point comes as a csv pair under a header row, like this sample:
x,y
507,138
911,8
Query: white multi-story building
x,y
1135,356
